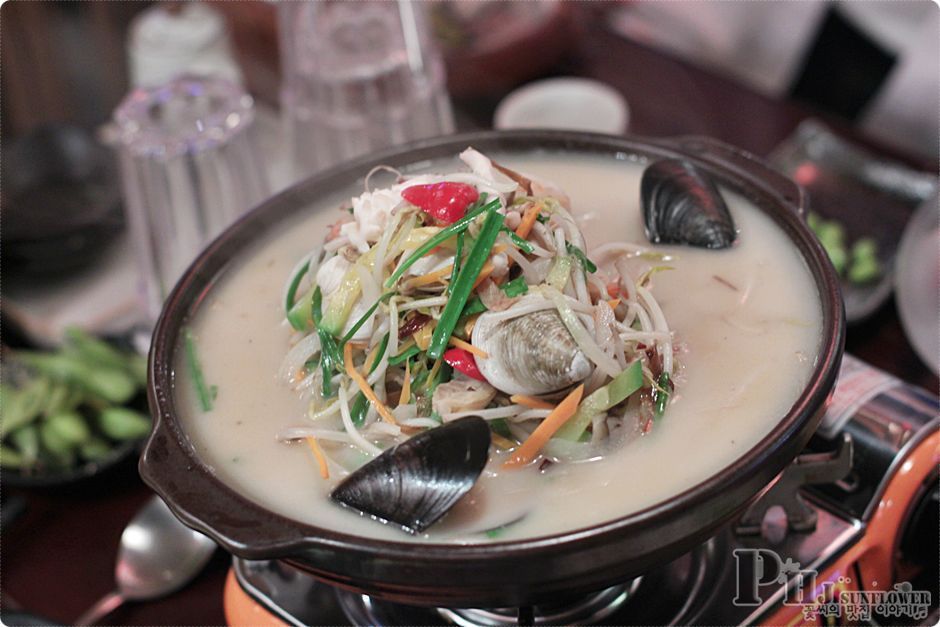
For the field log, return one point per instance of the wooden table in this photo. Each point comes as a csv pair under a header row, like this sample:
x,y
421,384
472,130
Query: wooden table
x,y
58,557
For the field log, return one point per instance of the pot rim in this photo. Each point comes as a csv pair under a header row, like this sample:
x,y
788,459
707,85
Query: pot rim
x,y
296,537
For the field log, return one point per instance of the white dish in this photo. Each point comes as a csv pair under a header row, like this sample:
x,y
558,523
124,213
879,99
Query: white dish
x,y
917,282
579,104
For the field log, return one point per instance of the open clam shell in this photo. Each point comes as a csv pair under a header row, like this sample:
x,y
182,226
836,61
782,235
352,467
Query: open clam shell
x,y
529,354
415,483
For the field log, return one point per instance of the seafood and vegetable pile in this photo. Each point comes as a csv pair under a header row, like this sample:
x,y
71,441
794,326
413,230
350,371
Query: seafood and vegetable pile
x,y
455,322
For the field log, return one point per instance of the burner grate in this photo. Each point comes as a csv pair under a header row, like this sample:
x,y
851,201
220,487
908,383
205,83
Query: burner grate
x,y
589,610
674,593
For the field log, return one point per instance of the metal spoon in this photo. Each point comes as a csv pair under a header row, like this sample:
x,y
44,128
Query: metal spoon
x,y
158,555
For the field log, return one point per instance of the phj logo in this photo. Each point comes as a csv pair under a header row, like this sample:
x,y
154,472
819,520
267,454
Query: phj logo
x,y
760,573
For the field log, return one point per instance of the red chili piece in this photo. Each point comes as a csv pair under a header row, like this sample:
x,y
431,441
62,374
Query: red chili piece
x,y
446,202
463,360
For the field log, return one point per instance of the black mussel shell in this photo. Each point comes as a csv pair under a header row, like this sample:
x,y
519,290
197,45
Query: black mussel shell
x,y
681,205
415,483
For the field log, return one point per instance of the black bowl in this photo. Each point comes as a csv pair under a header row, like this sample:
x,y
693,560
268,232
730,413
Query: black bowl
x,y
61,201
116,461
500,574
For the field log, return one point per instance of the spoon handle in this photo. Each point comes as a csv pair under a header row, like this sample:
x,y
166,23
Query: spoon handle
x,y
107,604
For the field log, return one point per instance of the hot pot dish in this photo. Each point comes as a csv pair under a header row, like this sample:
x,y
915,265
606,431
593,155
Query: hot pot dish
x,y
487,368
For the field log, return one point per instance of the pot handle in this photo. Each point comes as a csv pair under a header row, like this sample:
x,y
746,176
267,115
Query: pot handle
x,y
169,468
749,166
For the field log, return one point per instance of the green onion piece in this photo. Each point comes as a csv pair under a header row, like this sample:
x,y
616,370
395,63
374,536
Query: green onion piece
x,y
464,283
661,393
195,371
329,351
444,374
518,242
418,380
600,400
444,234
359,409
501,427
383,345
542,219
294,284
473,307
515,287
299,314
362,320
456,268
400,358
586,263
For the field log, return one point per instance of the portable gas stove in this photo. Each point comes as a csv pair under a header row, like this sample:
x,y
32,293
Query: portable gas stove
x,y
847,534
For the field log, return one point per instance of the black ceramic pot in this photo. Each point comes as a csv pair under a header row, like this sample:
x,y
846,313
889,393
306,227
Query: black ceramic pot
x,y
502,573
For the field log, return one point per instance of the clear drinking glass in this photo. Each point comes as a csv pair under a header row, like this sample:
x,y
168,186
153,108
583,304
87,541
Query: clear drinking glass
x,y
189,167
358,76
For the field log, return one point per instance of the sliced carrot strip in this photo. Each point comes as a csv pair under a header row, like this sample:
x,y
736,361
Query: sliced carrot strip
x,y
467,346
430,277
485,272
321,459
528,220
406,386
613,303
543,433
354,374
530,401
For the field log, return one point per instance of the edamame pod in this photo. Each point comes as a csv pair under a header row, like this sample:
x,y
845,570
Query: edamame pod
x,y
26,441
22,406
70,426
59,399
58,447
10,458
95,351
121,423
94,449
111,384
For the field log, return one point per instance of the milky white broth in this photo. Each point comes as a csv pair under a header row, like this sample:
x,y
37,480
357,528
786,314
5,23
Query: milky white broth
x,y
744,366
